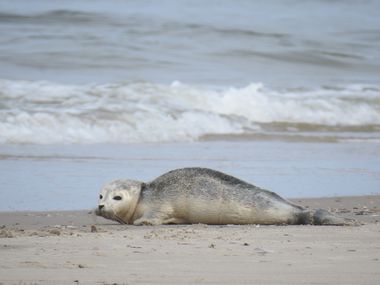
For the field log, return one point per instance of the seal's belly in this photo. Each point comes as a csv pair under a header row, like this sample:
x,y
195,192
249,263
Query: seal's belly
x,y
220,212
217,212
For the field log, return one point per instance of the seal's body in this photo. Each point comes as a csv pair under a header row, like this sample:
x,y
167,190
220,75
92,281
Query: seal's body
x,y
201,195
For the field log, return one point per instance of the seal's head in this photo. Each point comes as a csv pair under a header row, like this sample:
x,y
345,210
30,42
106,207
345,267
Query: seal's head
x,y
118,200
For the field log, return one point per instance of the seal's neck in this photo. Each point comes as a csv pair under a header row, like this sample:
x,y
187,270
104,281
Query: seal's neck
x,y
134,204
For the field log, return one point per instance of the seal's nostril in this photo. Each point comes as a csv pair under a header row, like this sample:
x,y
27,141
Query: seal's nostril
x,y
100,207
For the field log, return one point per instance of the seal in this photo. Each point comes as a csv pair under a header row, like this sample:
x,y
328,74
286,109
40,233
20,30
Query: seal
x,y
202,195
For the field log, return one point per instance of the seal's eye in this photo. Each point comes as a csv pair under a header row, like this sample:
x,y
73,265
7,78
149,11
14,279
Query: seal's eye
x,y
101,197
117,198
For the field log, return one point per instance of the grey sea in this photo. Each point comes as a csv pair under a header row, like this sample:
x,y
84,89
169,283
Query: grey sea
x,y
283,94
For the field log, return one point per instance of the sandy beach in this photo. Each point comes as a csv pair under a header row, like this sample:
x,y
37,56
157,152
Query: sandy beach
x,y
72,247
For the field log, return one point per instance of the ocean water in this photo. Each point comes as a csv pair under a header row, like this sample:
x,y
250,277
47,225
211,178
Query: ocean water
x,y
195,77
212,42
97,71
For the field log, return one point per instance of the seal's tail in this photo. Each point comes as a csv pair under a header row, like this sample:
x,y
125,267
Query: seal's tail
x,y
323,217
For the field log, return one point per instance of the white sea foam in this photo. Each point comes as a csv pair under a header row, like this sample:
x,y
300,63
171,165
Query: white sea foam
x,y
44,113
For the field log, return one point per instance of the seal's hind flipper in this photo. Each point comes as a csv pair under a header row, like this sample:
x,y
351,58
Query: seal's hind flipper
x,y
323,217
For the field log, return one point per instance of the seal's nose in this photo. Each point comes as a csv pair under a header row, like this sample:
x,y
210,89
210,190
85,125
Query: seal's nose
x,y
100,207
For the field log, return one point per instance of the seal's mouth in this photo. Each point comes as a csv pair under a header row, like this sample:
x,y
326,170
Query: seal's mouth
x,y
102,213
98,212
108,215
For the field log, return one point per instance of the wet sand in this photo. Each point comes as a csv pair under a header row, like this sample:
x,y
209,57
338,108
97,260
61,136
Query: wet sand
x,y
71,247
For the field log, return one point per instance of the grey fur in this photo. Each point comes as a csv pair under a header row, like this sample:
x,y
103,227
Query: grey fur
x,y
201,195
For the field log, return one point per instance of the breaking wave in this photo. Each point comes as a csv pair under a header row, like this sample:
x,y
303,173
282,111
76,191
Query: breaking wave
x,y
42,112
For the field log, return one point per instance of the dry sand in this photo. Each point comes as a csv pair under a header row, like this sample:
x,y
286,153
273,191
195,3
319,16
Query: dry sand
x,y
71,248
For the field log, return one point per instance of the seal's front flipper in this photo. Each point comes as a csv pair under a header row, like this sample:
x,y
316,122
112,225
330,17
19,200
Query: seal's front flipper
x,y
145,222
149,219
